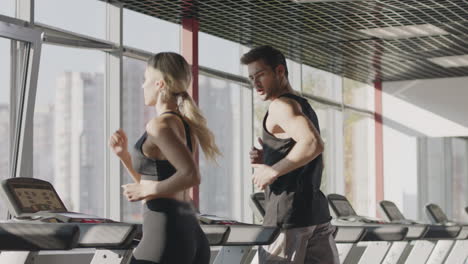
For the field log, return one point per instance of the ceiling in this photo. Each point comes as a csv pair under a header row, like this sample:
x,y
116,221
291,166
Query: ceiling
x,y
328,35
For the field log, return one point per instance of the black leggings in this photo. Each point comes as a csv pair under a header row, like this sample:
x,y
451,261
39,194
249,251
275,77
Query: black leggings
x,y
171,235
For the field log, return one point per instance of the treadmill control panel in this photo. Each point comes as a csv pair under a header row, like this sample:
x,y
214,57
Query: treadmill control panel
x,y
391,211
344,208
436,214
29,195
35,199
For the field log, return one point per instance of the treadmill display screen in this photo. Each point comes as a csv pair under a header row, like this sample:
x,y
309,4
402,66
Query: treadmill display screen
x,y
343,208
393,212
32,198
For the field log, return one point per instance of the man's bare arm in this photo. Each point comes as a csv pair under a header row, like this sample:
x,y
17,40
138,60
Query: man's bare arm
x,y
288,115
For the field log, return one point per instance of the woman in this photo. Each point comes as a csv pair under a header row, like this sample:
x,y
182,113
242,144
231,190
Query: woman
x,y
163,166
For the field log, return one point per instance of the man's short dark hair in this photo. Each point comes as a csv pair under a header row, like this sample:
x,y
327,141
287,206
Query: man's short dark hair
x,y
270,56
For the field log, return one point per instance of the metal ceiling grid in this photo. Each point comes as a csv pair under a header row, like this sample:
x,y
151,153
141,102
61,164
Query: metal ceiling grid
x,y
326,35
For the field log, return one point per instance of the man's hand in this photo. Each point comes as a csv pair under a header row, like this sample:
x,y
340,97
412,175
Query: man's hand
x,y
263,175
256,155
136,191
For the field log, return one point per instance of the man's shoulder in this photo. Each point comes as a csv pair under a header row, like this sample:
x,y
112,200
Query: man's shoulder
x,y
282,104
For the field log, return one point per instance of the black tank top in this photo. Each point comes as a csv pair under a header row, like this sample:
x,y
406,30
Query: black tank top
x,y
294,199
153,169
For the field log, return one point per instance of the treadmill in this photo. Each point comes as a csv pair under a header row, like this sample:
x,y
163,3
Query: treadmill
x,y
35,202
238,247
418,249
377,243
454,251
21,242
31,200
343,235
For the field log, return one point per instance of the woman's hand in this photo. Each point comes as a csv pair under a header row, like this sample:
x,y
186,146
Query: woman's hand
x,y
137,191
118,142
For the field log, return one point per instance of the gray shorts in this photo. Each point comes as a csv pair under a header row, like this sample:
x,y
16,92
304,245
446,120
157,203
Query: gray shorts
x,y
312,244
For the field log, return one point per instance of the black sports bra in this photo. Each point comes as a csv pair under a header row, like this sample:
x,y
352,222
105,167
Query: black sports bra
x,y
153,169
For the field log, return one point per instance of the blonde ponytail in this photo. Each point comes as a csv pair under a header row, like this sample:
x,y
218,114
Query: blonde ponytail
x,y
177,75
199,127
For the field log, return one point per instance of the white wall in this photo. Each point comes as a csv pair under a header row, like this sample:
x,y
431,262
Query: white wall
x,y
411,109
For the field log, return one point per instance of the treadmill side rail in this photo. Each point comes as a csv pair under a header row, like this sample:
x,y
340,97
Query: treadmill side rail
x,y
37,236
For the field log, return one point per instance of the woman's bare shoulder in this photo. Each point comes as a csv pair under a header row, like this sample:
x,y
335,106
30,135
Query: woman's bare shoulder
x,y
163,124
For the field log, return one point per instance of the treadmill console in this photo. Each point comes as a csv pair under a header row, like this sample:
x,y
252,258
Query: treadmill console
x,y
27,196
436,215
344,210
35,199
340,205
392,213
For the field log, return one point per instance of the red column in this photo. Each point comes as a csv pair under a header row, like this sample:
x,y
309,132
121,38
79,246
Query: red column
x,y
379,162
189,49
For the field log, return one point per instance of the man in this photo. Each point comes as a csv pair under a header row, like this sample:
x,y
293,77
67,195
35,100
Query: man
x,y
289,167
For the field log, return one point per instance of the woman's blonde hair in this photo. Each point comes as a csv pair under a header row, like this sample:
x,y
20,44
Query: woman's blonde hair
x,y
177,75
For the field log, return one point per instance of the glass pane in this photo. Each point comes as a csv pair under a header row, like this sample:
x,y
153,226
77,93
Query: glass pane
x,y
165,36
86,17
220,54
460,181
7,8
4,114
401,170
135,115
358,94
359,162
436,172
321,83
294,74
224,188
69,125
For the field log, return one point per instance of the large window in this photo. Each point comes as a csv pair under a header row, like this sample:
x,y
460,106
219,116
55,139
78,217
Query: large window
x,y
135,115
7,8
86,17
69,141
150,33
359,162
225,187
321,83
4,113
358,94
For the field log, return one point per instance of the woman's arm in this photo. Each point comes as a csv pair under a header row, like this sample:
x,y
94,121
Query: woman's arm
x,y
162,132
118,142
